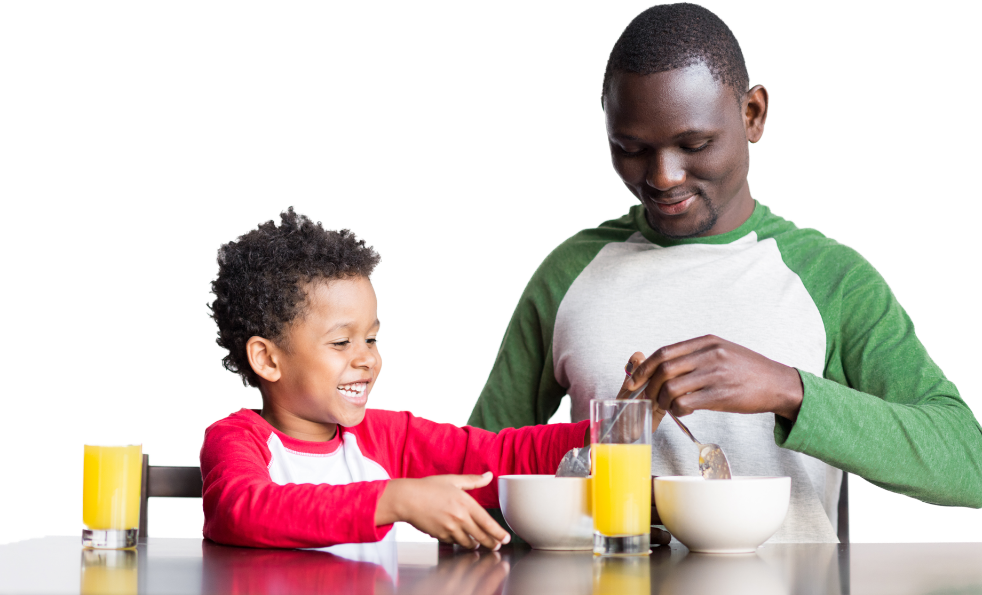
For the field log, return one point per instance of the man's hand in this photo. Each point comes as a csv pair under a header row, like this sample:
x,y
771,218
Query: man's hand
x,y
629,386
439,507
715,374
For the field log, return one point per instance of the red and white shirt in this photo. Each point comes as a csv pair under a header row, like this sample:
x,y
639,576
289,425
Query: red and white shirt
x,y
263,488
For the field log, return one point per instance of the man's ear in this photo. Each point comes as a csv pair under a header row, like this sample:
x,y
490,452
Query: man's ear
x,y
755,112
263,355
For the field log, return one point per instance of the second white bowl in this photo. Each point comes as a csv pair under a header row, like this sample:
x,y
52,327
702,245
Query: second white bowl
x,y
722,516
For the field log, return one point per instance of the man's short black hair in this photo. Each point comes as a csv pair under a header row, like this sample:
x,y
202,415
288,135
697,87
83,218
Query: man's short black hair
x,y
673,36
262,278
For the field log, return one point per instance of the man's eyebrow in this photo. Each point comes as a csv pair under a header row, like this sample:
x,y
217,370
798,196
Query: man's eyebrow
x,y
683,134
349,323
691,132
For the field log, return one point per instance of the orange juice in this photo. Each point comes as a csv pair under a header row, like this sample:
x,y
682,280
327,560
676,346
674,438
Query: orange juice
x,y
621,489
111,487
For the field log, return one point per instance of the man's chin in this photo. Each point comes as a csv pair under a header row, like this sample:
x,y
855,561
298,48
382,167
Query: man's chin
x,y
680,228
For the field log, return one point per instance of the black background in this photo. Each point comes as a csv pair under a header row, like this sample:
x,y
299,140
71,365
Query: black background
x,y
464,154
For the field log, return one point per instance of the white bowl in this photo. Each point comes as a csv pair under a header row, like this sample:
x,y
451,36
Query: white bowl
x,y
722,516
549,512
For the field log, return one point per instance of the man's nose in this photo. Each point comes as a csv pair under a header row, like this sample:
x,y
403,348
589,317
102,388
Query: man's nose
x,y
665,171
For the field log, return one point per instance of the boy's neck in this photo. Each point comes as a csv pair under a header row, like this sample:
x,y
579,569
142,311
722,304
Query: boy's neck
x,y
297,427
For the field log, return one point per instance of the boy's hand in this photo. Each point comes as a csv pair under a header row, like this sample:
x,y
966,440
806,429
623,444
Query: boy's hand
x,y
438,506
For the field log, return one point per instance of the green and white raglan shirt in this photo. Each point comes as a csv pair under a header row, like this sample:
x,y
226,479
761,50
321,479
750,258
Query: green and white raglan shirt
x,y
875,404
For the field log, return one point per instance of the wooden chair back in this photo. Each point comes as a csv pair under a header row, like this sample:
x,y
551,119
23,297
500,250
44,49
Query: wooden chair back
x,y
166,482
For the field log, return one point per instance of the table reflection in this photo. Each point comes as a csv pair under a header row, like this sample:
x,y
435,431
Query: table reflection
x,y
109,572
388,568
724,574
236,571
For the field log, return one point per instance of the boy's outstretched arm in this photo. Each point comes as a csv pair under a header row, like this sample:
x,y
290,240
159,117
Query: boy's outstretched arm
x,y
439,506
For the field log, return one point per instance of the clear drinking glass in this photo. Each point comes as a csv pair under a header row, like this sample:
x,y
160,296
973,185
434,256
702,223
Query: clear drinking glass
x,y
111,496
620,437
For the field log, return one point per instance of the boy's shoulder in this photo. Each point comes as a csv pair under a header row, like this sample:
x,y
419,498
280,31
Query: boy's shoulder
x,y
243,419
243,427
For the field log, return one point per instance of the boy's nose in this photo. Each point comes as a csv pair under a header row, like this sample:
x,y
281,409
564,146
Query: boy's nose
x,y
365,358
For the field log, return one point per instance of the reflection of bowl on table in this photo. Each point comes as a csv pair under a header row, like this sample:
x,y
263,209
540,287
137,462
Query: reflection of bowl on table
x,y
540,572
722,516
741,574
549,512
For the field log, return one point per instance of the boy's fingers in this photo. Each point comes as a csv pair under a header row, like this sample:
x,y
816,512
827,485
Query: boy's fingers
x,y
471,482
489,526
479,535
463,539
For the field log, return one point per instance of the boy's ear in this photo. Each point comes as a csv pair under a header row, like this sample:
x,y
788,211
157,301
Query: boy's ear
x,y
262,358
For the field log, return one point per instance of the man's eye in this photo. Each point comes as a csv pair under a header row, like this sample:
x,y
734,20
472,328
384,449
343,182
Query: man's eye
x,y
372,341
697,148
628,153
340,343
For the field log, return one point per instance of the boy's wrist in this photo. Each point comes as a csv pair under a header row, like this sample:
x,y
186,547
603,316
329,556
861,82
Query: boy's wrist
x,y
389,507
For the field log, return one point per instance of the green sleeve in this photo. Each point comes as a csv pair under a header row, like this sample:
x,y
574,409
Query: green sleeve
x,y
884,410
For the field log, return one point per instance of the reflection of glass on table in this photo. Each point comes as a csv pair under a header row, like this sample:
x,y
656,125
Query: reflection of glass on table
x,y
111,496
616,576
620,436
109,572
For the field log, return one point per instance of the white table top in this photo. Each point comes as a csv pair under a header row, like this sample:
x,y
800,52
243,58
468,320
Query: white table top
x,y
55,565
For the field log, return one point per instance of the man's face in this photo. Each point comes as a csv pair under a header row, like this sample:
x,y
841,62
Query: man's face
x,y
678,140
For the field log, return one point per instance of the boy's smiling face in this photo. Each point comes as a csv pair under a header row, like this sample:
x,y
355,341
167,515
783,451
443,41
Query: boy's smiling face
x,y
321,373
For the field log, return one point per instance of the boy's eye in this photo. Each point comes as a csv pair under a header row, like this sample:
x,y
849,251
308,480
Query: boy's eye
x,y
346,342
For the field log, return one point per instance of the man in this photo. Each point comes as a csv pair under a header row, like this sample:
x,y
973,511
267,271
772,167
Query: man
x,y
742,312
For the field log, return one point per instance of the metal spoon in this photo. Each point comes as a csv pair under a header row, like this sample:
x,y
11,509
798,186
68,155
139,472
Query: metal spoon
x,y
712,461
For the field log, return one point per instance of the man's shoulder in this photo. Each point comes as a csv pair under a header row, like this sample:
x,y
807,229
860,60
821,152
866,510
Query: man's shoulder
x,y
613,230
569,258
808,251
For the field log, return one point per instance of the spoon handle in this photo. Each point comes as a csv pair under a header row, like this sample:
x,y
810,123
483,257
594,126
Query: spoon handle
x,y
617,417
684,429
681,425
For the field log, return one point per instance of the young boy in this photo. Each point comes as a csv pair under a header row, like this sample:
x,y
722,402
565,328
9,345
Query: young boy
x,y
297,313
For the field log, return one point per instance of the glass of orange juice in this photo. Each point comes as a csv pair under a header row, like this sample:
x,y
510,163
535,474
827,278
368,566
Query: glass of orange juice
x,y
620,437
111,496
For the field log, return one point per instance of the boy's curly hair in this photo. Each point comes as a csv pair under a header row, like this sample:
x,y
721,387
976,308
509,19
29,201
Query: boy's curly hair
x,y
261,281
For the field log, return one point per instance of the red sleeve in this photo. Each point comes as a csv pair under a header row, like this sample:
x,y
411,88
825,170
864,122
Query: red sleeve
x,y
421,448
244,507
